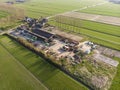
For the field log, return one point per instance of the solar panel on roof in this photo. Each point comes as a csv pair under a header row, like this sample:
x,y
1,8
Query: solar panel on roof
x,y
39,37
42,33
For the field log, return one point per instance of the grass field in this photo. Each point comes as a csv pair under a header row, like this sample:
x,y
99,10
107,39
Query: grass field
x,y
103,34
109,9
37,8
3,14
116,81
49,75
13,76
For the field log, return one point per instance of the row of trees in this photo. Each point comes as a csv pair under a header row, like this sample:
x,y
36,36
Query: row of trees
x,y
67,23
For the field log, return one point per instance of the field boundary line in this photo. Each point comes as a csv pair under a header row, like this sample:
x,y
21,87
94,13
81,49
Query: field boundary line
x,y
15,59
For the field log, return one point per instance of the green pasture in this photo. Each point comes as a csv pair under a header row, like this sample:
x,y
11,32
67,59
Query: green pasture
x,y
38,8
109,9
3,14
13,76
49,75
116,80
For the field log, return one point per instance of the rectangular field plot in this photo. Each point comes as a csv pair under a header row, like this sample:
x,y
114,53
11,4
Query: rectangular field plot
x,y
13,76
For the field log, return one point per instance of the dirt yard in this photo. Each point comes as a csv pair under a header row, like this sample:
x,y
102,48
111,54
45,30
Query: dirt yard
x,y
94,17
65,34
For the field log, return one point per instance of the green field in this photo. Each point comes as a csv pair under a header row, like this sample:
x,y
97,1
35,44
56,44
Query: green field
x,y
3,14
99,33
37,8
49,75
13,76
116,80
109,9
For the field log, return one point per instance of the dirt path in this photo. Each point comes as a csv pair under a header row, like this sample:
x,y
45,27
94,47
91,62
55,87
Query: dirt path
x,y
66,34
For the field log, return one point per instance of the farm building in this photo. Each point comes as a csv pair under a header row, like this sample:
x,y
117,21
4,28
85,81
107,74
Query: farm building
x,y
39,34
45,35
34,23
115,1
20,0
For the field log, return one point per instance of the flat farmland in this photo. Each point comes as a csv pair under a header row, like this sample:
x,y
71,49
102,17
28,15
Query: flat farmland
x,y
108,9
46,8
93,17
49,75
13,76
37,8
3,14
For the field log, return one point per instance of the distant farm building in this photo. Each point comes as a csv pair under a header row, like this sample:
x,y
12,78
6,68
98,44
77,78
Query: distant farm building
x,y
9,2
115,1
20,0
